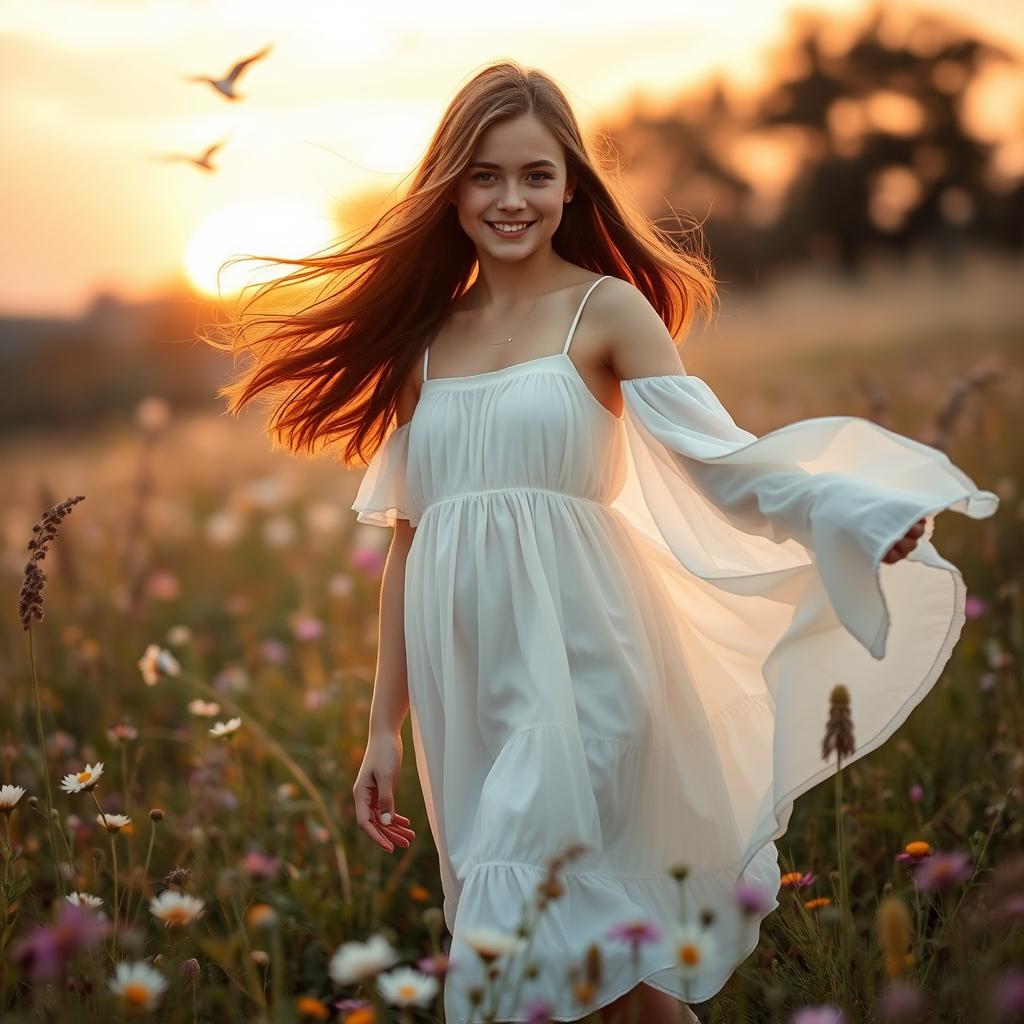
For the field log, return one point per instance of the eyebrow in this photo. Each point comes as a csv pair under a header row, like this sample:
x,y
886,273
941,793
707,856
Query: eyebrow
x,y
532,163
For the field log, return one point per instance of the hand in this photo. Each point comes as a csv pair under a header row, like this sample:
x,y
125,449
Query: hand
x,y
906,544
373,792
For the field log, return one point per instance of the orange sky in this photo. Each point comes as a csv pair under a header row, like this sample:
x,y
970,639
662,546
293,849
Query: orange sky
x,y
94,92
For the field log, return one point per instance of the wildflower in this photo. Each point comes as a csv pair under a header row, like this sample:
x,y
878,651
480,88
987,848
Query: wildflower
x,y
405,986
636,933
357,1011
916,793
916,851
419,893
795,880
191,969
122,733
751,900
539,1011
114,822
260,915
44,951
438,964
839,730
260,956
84,899
179,636
818,901
307,1006
357,961
225,728
176,909
818,1015
490,943
943,870
974,606
138,986
155,660
9,797
258,865
692,946
894,934
83,781
203,708
30,600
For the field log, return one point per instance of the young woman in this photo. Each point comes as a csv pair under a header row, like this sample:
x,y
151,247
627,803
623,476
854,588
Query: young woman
x,y
615,616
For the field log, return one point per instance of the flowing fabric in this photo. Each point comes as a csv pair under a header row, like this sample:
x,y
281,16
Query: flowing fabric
x,y
623,633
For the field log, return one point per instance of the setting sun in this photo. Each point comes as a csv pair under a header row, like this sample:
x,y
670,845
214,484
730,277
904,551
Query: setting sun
x,y
268,228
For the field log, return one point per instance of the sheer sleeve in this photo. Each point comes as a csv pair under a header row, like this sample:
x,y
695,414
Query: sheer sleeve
x,y
832,494
383,494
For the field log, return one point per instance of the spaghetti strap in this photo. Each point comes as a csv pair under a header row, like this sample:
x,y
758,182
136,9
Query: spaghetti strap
x,y
572,329
425,352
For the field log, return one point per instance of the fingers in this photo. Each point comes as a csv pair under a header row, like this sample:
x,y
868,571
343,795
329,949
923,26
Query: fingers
x,y
368,819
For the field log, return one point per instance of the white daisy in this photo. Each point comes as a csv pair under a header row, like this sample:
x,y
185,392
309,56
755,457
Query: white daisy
x,y
84,780
405,986
138,986
203,708
356,961
225,728
113,822
176,909
156,660
490,943
692,946
9,797
84,899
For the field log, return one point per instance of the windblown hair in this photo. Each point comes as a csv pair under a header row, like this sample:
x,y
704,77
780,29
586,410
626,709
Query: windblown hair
x,y
336,367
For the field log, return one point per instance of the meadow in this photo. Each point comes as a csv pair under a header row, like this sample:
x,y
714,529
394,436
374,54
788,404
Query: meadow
x,y
207,633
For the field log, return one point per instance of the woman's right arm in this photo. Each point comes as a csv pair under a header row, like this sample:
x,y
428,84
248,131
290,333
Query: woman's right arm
x,y
375,782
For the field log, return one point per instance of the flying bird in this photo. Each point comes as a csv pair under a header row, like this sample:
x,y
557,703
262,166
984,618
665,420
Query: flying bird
x,y
202,162
226,86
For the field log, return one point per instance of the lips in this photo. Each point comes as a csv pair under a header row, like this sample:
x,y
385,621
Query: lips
x,y
510,234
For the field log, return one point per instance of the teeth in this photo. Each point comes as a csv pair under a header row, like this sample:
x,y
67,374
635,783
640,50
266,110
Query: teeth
x,y
508,226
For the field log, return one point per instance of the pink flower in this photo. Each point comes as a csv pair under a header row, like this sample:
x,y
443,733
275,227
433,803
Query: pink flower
x,y
539,1011
916,793
818,1015
636,933
367,559
307,627
437,964
44,951
752,900
258,865
943,870
974,606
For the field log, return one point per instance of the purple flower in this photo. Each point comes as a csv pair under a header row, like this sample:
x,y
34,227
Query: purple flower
x,y
752,900
1006,996
45,950
368,559
636,933
986,681
899,1002
916,793
818,1015
974,606
274,651
943,870
539,1011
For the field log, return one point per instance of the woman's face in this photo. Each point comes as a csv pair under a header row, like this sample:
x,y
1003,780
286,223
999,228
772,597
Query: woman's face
x,y
517,174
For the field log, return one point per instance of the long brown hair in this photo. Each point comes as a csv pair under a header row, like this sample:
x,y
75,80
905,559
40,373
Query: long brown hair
x,y
336,366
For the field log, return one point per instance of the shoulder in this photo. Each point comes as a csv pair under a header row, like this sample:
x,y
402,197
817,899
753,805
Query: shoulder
x,y
637,342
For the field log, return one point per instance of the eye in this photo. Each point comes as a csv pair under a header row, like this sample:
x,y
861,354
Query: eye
x,y
543,174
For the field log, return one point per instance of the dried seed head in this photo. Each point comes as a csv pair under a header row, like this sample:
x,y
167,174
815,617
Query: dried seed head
x,y
839,730
30,601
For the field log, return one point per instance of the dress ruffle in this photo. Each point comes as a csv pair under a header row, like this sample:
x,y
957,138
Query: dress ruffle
x,y
383,494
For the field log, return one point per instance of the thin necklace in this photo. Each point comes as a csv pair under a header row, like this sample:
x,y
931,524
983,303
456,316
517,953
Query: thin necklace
x,y
497,344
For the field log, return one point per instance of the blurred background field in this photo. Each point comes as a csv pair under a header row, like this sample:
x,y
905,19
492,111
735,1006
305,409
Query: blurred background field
x,y
863,202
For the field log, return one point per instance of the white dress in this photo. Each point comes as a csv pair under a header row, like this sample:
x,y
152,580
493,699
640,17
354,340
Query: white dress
x,y
623,632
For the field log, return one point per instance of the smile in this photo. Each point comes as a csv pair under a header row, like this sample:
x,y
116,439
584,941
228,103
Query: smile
x,y
508,232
